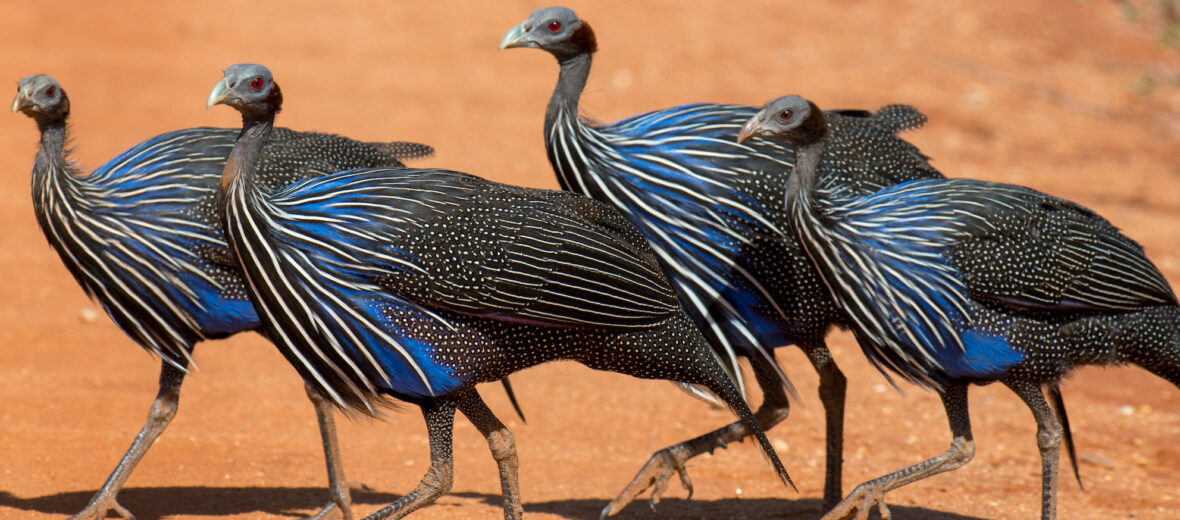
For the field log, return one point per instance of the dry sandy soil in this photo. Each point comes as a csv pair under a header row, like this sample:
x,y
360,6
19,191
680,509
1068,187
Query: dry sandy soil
x,y
1047,93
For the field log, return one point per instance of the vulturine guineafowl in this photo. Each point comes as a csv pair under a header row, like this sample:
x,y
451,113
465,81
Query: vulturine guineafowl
x,y
948,282
141,236
711,209
418,284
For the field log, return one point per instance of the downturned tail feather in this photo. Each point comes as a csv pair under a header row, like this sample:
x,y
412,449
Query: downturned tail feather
x,y
1058,405
512,399
405,150
722,386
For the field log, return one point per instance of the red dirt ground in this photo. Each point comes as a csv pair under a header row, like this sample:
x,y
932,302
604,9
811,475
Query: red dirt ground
x,y
1047,93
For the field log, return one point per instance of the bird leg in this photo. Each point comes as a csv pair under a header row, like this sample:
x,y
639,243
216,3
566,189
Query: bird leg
x,y
1049,434
832,386
440,421
962,450
657,473
162,411
338,486
503,449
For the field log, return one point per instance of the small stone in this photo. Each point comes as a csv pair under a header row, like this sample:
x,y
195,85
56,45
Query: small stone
x,y
88,315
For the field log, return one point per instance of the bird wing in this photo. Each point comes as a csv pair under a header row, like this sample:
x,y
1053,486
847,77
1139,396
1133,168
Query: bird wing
x,y
136,232
883,257
912,259
1044,253
452,241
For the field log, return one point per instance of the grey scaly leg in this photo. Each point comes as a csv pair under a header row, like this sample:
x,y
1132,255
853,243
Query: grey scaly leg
x,y
962,450
832,387
159,415
1049,433
503,448
338,486
440,421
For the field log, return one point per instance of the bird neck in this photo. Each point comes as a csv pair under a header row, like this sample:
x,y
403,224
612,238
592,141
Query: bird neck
x,y
51,157
575,70
802,183
242,163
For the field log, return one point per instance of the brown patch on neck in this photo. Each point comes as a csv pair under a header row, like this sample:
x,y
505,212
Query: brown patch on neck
x,y
229,174
276,98
584,38
816,125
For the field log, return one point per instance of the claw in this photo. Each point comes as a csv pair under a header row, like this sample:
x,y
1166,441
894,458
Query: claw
x,y
331,507
655,475
97,510
859,503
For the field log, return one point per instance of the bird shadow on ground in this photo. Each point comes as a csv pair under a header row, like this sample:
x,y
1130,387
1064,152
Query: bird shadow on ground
x,y
681,509
154,503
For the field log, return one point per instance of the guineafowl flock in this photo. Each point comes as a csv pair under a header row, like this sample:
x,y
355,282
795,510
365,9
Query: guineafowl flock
x,y
683,241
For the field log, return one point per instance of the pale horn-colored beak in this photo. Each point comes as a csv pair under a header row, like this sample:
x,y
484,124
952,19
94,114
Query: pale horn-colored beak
x,y
20,102
752,128
515,38
219,94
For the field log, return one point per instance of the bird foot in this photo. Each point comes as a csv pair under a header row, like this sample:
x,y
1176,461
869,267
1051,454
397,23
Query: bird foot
x,y
859,503
656,474
344,504
98,507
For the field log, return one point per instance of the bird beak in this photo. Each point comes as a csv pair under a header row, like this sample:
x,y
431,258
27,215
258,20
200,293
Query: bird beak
x,y
752,128
21,102
220,94
516,38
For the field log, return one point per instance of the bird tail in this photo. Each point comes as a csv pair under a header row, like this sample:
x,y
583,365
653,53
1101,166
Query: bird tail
x,y
512,399
1058,405
718,382
405,150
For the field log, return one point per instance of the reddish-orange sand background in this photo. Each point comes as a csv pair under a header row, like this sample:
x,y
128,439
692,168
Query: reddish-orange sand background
x,y
1063,95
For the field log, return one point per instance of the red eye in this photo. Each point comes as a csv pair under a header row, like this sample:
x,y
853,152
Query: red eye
x,y
51,91
787,115
554,26
256,84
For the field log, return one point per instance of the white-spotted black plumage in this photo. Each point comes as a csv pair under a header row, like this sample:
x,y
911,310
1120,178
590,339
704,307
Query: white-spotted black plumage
x,y
420,284
949,282
141,236
712,210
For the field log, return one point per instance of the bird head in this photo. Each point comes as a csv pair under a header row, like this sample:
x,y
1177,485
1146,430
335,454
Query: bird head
x,y
554,29
791,118
42,98
248,88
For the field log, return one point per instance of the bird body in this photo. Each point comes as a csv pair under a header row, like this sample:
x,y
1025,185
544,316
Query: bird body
x,y
419,284
140,233
708,206
404,268
711,209
142,237
949,282
943,270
